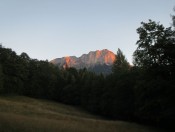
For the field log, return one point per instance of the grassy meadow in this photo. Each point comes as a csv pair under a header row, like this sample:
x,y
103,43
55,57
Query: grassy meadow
x,y
24,114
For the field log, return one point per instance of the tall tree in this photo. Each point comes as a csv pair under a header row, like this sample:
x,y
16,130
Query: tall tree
x,y
1,74
173,19
155,57
156,47
121,62
1,79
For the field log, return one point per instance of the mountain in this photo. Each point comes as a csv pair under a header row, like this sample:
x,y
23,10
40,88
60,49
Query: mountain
x,y
99,61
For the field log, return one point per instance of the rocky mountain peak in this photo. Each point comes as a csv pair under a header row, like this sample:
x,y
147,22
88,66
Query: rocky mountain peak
x,y
98,57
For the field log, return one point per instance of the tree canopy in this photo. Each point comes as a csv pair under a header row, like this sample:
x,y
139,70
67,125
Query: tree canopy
x,y
156,47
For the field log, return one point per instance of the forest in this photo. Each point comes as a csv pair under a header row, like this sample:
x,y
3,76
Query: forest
x,y
143,93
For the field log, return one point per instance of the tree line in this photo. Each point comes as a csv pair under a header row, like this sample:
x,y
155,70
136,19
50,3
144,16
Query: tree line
x,y
143,93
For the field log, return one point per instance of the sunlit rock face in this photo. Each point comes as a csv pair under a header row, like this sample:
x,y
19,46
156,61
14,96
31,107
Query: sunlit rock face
x,y
93,58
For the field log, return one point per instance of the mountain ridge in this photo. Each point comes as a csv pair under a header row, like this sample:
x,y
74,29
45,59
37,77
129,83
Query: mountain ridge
x,y
93,58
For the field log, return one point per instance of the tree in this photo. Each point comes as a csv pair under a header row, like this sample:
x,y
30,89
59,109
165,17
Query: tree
x,y
24,56
120,64
156,48
173,19
12,81
155,59
1,74
1,79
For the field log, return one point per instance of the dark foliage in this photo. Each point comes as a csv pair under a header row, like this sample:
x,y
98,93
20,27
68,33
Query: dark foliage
x,y
155,57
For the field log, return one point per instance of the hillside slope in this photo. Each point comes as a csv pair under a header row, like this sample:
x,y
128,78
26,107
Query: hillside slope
x,y
23,114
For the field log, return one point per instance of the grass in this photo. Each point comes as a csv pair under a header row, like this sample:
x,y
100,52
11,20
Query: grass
x,y
23,114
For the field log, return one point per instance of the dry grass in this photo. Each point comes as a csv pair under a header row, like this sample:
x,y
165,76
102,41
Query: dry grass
x,y
23,114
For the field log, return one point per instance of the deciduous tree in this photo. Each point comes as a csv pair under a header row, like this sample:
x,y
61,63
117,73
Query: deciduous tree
x,y
156,48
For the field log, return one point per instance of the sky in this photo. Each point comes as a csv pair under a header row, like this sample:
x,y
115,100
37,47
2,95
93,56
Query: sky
x,y
48,29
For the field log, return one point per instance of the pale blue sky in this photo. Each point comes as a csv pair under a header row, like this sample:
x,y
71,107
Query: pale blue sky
x,y
47,29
